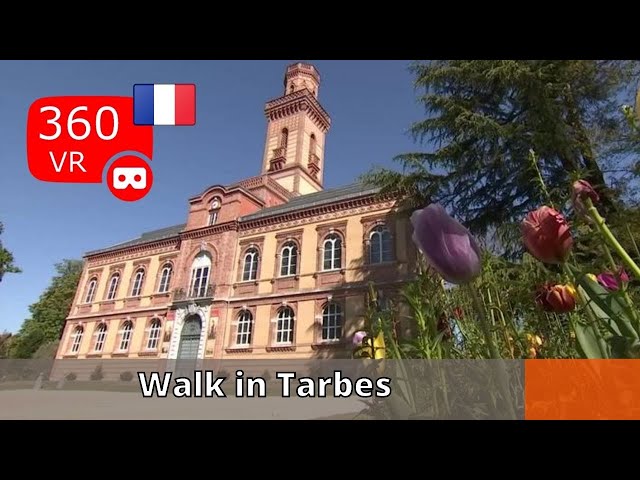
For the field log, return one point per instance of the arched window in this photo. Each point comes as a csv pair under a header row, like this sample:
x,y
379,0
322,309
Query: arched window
x,y
245,327
112,290
312,144
214,210
289,259
250,268
291,88
331,322
76,339
165,278
200,272
125,336
380,245
154,334
332,256
138,280
91,290
101,336
284,138
284,326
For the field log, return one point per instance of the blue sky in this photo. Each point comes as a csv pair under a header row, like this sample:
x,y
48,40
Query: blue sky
x,y
372,104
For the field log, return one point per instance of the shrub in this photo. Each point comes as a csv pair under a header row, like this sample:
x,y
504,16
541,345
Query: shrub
x,y
126,376
70,376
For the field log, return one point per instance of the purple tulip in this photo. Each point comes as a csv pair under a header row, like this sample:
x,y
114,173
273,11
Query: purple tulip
x,y
358,337
448,246
610,281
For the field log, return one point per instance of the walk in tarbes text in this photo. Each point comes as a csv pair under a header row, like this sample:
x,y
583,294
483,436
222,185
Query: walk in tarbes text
x,y
205,383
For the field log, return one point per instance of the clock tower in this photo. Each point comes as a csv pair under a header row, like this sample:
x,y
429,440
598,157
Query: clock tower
x,y
296,129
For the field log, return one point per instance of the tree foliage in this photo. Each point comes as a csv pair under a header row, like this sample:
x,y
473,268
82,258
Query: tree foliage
x,y
48,314
484,117
6,259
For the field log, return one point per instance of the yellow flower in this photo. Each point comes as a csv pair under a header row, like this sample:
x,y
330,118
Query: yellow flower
x,y
378,346
571,289
592,277
537,341
533,353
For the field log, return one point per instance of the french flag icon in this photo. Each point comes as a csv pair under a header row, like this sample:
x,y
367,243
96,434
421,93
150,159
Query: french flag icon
x,y
164,104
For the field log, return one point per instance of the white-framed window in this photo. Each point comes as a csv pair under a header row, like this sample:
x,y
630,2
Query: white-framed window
x,y
154,334
125,336
165,278
245,328
289,259
76,339
332,252
91,290
200,275
331,322
101,336
284,325
380,245
112,290
138,280
250,265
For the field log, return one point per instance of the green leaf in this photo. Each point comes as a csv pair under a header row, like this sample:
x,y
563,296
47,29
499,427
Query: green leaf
x,y
587,341
607,307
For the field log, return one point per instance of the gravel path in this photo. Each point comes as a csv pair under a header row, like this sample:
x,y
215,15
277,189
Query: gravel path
x,y
84,405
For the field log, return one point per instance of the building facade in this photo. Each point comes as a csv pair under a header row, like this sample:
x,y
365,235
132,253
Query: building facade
x,y
273,266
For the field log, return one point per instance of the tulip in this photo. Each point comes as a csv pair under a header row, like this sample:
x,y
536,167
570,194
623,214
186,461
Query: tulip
x,y
547,236
556,298
582,190
458,313
448,247
592,277
610,281
358,337
533,353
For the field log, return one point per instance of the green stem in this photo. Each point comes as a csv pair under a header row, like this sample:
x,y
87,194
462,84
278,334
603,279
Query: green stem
x,y
543,186
628,304
484,323
611,239
503,383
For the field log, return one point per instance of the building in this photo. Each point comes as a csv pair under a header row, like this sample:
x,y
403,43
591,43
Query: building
x,y
273,266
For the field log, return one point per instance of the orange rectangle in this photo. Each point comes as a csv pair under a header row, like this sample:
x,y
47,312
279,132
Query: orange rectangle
x,y
582,389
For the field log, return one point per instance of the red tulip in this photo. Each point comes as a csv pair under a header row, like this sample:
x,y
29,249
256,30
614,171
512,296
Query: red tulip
x,y
556,298
546,235
458,313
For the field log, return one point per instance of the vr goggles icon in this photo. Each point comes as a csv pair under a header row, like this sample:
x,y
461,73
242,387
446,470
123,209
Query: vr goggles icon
x,y
123,177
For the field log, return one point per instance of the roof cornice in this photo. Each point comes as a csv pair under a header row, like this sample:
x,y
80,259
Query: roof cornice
x,y
302,100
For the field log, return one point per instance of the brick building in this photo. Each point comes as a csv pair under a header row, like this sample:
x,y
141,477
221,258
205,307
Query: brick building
x,y
272,266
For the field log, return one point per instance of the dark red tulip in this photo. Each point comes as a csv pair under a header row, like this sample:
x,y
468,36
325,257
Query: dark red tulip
x,y
546,235
581,190
556,298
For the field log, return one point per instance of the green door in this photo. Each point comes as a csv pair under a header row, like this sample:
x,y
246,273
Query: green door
x,y
190,338
189,343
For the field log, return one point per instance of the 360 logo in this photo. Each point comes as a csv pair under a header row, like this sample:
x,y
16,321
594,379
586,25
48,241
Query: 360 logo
x,y
72,139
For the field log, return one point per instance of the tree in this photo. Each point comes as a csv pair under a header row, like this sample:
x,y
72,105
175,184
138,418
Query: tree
x,y
48,314
6,259
484,117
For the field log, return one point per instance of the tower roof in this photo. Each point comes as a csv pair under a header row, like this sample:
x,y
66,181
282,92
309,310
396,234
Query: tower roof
x,y
298,68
